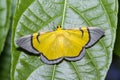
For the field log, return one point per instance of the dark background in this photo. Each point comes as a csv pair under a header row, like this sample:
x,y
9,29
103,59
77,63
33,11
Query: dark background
x,y
114,71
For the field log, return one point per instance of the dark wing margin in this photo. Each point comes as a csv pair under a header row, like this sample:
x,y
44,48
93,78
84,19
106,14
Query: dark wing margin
x,y
95,34
26,43
45,60
80,56
76,58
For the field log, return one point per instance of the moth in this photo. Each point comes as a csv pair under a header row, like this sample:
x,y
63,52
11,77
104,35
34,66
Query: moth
x,y
67,44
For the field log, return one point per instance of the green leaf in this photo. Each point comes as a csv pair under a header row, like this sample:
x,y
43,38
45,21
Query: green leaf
x,y
40,15
4,21
5,59
117,42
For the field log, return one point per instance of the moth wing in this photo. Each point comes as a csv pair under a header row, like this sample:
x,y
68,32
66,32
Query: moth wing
x,y
25,43
45,60
70,45
65,47
78,40
46,43
95,34
82,53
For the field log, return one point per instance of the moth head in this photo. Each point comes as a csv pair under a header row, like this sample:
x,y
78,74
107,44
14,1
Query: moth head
x,y
59,28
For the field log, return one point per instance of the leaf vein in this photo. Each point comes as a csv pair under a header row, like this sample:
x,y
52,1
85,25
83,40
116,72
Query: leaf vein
x,y
81,14
43,9
64,11
93,62
35,15
30,20
76,69
53,73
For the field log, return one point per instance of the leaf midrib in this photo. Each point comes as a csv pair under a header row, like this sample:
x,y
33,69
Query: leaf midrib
x,y
53,72
64,11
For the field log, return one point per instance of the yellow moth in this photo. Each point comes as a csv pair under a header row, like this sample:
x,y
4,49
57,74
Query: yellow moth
x,y
67,44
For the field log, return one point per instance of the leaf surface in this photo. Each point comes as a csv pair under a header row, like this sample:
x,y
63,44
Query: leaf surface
x,y
41,15
117,41
5,7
